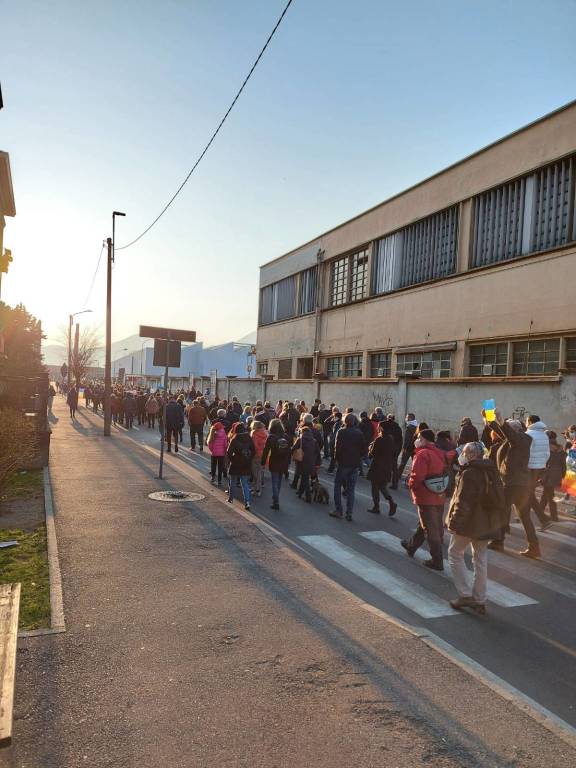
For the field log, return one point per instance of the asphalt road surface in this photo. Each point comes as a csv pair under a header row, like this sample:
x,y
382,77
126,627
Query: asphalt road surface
x,y
527,638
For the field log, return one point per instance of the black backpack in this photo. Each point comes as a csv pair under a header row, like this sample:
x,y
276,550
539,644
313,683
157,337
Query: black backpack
x,y
283,450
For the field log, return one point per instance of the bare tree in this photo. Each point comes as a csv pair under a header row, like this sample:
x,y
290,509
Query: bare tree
x,y
85,355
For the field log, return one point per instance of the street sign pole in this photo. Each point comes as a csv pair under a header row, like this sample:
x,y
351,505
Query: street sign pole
x,y
164,432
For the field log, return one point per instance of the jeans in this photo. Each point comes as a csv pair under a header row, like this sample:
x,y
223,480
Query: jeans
x,y
430,527
245,487
304,487
456,550
547,500
257,473
172,431
379,487
196,430
345,476
217,463
517,495
276,478
533,503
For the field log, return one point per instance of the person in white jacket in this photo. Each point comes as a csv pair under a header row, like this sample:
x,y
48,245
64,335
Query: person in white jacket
x,y
539,455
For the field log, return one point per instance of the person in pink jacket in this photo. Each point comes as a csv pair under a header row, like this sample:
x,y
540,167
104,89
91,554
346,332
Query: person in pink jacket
x,y
217,444
259,435
428,462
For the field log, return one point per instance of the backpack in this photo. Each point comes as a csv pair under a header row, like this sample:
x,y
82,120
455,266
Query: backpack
x,y
283,450
246,452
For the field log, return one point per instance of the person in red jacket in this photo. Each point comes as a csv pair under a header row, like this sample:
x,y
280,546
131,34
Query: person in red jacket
x,y
428,462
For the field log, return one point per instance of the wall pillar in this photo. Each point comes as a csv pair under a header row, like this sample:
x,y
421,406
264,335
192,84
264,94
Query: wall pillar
x,y
464,236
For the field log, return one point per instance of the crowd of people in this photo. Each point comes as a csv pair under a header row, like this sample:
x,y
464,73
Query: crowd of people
x,y
479,477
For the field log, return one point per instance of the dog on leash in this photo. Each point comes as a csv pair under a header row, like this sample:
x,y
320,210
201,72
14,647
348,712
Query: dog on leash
x,y
319,493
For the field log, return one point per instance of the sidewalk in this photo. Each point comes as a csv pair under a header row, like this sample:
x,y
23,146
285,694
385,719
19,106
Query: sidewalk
x,y
195,640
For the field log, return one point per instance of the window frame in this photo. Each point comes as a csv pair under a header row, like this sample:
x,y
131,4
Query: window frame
x,y
473,347
527,364
431,355
388,367
345,271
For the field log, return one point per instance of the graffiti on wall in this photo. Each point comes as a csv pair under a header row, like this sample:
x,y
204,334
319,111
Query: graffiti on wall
x,y
384,400
519,413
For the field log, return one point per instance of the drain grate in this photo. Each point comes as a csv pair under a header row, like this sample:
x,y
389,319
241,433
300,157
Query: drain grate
x,y
175,496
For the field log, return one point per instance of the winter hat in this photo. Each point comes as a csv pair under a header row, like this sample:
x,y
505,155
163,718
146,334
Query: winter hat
x,y
427,434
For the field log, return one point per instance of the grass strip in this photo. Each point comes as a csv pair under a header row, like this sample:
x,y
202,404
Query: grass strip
x,y
28,564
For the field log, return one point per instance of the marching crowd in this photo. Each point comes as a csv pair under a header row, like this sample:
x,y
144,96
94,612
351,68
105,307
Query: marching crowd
x,y
481,477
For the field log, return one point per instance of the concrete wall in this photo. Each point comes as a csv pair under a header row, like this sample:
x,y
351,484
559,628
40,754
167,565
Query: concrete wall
x,y
441,403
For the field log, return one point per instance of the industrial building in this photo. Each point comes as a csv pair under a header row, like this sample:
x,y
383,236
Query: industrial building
x,y
455,290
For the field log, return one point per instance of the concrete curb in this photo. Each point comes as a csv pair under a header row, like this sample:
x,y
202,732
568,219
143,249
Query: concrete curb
x,y
527,705
57,623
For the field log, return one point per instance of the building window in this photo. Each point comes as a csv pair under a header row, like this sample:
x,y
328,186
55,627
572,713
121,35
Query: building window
x,y
488,360
278,301
285,368
304,367
262,369
339,282
498,224
429,248
428,365
538,357
553,199
386,263
353,366
571,354
307,293
349,278
334,367
380,365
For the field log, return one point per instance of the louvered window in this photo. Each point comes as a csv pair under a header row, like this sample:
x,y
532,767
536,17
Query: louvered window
x,y
498,224
308,281
387,262
429,248
554,197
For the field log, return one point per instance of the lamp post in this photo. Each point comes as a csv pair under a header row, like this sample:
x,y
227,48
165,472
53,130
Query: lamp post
x,y
108,363
70,323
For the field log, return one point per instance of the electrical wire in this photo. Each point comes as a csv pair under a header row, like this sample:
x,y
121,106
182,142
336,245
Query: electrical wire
x,y
216,132
94,276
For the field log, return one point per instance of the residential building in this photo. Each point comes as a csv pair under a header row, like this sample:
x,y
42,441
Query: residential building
x,y
457,288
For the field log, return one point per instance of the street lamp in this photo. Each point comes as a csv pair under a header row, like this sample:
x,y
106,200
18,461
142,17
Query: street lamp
x,y
71,321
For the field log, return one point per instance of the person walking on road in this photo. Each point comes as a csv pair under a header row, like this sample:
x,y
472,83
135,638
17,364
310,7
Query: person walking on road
x,y
259,435
476,512
174,422
50,399
217,445
511,452
430,464
72,400
396,434
307,449
277,453
539,455
348,453
240,453
152,409
382,453
408,443
555,471
196,421
130,408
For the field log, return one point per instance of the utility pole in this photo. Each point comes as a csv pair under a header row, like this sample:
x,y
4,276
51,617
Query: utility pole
x,y
108,363
70,320
76,344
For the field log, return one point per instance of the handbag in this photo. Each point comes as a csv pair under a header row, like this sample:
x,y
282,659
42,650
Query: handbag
x,y
439,483
298,455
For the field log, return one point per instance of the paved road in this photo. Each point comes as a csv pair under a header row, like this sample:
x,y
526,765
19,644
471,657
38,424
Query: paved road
x,y
529,637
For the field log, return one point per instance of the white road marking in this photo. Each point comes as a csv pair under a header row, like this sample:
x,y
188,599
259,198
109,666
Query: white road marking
x,y
412,596
530,571
497,593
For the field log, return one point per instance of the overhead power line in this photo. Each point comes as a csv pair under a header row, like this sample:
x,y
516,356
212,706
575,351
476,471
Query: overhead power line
x,y
94,276
216,132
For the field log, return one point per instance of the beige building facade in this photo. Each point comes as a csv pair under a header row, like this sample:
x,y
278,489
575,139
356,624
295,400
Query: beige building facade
x,y
464,282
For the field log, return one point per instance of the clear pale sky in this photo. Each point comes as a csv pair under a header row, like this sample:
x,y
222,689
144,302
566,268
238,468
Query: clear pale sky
x,y
108,104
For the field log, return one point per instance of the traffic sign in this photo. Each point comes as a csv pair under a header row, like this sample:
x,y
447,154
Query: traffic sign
x,y
173,334
167,353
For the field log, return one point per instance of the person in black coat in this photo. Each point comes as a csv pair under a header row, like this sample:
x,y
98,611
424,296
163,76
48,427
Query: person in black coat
x,y
553,476
174,422
310,460
365,426
278,452
240,453
396,434
383,454
408,442
468,432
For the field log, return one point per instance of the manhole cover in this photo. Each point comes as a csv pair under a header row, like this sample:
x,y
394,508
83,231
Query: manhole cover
x,y
175,496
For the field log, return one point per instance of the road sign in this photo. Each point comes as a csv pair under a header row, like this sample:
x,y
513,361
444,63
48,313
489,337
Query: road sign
x,y
167,353
174,334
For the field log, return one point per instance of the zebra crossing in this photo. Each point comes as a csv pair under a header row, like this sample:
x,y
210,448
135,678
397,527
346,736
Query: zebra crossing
x,y
423,600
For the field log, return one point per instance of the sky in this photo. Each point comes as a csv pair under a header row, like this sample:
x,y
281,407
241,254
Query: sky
x,y
107,105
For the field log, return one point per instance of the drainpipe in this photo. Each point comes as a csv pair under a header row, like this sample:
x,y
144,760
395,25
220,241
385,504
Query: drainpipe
x,y
318,323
